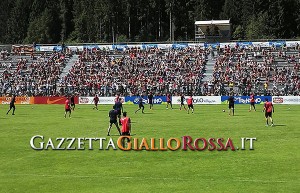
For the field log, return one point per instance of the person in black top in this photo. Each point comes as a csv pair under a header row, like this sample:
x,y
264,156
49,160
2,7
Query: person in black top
x,y
72,103
150,100
182,99
231,104
113,114
169,100
12,105
141,105
119,108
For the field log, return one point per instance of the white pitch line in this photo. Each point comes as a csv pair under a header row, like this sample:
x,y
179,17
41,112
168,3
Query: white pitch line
x,y
141,178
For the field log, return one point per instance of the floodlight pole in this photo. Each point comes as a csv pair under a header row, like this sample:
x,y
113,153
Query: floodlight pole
x,y
170,22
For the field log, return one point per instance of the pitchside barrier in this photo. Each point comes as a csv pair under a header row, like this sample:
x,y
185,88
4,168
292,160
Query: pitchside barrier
x,y
102,100
289,100
200,100
19,100
246,99
197,100
156,100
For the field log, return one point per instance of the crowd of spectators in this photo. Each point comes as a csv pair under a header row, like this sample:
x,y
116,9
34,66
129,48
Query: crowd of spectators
x,y
32,76
135,71
273,71
132,71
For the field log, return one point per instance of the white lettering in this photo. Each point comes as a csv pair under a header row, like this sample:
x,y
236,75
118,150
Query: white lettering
x,y
60,143
111,144
71,143
41,143
49,143
80,144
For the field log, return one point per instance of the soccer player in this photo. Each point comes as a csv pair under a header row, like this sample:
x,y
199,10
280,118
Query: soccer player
x,y
119,107
252,102
72,102
141,105
231,104
96,100
113,114
150,100
117,98
190,104
12,105
126,124
182,99
169,101
67,108
268,109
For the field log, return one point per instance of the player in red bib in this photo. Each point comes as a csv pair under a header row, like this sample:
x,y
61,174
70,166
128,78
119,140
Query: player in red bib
x,y
67,108
189,102
252,102
96,100
126,126
268,109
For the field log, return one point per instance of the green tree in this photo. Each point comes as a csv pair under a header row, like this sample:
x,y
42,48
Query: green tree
x,y
256,29
17,22
5,7
239,33
43,29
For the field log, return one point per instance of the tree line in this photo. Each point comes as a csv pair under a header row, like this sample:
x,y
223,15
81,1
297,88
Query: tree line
x,y
70,21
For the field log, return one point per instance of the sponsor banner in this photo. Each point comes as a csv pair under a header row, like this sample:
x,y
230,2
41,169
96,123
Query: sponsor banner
x,y
212,45
149,46
231,44
75,48
245,44
19,100
179,46
46,48
52,100
120,47
135,100
277,43
91,47
196,45
164,46
57,48
246,99
102,100
295,100
22,48
261,44
292,43
199,100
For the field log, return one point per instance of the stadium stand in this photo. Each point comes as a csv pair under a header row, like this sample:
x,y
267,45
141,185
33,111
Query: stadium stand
x,y
190,70
28,75
268,71
135,71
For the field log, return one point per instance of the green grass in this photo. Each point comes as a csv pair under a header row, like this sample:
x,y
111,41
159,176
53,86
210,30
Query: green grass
x,y
272,167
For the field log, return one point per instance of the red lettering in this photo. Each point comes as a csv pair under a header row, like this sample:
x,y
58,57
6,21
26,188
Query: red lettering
x,y
219,141
229,144
187,140
212,144
204,144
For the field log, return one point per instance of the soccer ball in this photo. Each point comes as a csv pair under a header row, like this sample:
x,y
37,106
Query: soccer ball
x,y
223,110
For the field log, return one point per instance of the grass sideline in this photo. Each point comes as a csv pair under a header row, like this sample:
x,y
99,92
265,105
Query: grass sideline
x,y
272,167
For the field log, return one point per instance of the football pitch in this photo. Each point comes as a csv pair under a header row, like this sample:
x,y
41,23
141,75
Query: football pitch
x,y
273,165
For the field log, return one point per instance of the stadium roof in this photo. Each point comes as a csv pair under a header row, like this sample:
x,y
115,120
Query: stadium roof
x,y
211,22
